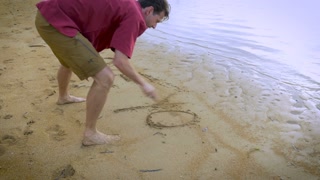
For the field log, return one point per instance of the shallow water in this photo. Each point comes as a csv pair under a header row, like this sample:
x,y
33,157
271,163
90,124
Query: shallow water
x,y
256,63
276,39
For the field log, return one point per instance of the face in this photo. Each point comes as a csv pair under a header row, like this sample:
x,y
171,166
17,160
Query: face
x,y
153,19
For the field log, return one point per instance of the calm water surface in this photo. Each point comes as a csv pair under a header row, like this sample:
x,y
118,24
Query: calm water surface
x,y
276,38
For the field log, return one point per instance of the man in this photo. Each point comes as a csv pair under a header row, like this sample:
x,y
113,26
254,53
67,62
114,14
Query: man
x,y
76,30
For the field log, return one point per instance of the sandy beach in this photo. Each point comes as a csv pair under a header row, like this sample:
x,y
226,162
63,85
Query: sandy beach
x,y
213,121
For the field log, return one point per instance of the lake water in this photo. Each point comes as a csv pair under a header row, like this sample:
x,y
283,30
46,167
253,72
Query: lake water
x,y
278,39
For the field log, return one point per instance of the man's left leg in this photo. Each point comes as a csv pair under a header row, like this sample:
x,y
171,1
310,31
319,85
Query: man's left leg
x,y
63,76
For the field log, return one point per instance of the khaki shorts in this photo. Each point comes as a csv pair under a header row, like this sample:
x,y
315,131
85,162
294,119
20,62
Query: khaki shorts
x,y
75,53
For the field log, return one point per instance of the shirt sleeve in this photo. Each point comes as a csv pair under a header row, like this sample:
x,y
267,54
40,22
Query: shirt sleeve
x,y
125,35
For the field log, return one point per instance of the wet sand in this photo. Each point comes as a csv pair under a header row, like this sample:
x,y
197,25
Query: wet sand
x,y
214,121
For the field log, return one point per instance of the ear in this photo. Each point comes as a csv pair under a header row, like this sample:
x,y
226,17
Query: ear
x,y
149,10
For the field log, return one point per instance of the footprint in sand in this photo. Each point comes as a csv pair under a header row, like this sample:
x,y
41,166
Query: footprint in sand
x,y
37,101
2,150
8,139
7,61
51,78
58,111
64,172
235,91
49,92
296,112
14,138
1,70
8,116
1,104
27,131
56,133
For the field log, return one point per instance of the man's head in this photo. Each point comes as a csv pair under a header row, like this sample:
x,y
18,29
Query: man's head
x,y
155,11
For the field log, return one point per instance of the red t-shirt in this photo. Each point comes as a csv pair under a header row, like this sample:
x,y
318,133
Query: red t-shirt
x,y
114,24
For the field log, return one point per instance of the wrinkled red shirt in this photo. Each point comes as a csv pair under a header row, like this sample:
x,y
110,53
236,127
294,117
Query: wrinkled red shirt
x,y
114,24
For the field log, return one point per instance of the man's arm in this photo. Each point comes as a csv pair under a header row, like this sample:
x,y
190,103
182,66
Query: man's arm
x,y
122,62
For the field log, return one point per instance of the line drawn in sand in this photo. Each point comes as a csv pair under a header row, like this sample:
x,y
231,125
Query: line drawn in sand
x,y
164,115
163,104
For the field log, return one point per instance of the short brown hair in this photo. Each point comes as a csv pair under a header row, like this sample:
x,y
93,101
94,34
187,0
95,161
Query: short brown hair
x,y
158,6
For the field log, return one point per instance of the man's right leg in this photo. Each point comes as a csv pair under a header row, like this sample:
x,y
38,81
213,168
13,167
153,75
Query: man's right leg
x,y
96,99
59,43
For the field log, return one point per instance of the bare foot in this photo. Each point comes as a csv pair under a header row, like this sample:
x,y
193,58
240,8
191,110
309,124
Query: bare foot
x,y
70,99
99,138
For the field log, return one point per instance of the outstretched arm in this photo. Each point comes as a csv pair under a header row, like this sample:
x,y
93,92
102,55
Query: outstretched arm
x,y
122,62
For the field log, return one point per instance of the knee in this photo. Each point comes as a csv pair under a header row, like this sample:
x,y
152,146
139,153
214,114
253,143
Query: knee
x,y
104,78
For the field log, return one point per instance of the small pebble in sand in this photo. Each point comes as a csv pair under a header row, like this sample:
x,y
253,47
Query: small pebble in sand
x,y
205,129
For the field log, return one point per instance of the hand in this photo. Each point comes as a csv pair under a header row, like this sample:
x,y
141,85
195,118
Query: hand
x,y
149,91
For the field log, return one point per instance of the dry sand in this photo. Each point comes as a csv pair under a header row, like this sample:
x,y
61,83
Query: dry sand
x,y
235,125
